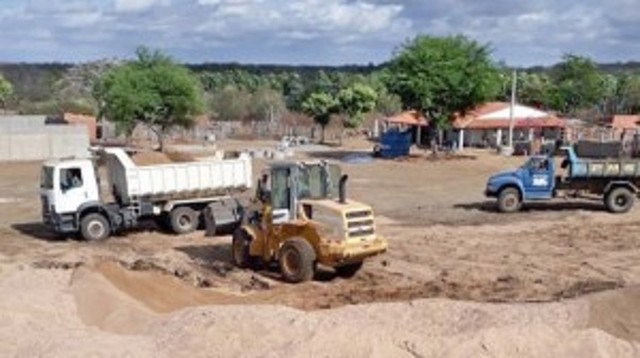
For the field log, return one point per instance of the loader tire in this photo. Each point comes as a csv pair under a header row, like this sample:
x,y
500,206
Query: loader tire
x,y
95,227
240,249
348,271
619,200
297,261
184,220
509,200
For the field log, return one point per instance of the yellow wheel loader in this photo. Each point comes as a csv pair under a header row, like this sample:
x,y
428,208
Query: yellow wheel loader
x,y
304,219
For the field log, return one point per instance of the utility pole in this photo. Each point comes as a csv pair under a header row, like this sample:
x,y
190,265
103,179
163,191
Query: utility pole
x,y
512,108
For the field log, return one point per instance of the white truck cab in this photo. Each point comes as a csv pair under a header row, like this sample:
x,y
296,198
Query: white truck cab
x,y
66,186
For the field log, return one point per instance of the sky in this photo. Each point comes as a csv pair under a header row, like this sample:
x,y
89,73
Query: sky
x,y
318,32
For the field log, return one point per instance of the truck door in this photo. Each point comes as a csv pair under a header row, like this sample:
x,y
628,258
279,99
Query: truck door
x,y
539,177
71,188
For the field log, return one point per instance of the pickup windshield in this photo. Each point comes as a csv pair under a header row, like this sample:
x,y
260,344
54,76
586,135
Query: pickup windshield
x,y
46,178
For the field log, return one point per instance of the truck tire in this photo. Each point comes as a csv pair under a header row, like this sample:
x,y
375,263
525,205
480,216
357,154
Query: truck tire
x,y
95,227
240,249
509,200
297,260
184,220
619,200
348,271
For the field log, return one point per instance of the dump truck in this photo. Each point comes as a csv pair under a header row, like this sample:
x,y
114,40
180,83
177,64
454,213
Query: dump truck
x,y
302,219
615,181
176,195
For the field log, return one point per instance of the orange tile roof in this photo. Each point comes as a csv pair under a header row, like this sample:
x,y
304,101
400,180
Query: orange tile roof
x,y
412,118
620,121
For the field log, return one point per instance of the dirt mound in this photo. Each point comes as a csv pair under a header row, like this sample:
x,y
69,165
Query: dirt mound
x,y
150,158
161,293
617,313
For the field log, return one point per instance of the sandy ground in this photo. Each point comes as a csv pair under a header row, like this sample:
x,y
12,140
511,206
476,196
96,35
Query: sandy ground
x,y
459,279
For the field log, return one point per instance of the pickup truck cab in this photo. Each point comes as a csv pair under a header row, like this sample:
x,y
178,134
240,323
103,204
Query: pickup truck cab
x,y
615,180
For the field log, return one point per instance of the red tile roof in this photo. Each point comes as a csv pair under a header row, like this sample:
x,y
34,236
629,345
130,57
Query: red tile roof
x,y
620,121
412,118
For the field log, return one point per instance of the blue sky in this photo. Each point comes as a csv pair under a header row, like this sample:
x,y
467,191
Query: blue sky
x,y
329,32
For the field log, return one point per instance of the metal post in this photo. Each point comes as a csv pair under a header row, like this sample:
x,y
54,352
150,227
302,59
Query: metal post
x,y
512,108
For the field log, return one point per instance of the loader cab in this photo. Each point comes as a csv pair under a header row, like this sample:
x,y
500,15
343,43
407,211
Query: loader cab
x,y
285,184
67,185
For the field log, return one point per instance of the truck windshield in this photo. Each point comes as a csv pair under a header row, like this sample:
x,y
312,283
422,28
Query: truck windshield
x,y
46,178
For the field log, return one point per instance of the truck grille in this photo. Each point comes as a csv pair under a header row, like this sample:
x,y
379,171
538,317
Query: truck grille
x,y
360,223
358,214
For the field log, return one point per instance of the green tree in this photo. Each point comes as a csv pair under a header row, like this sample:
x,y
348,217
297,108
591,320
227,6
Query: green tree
x,y
152,90
267,105
355,101
230,104
320,106
6,90
579,83
630,94
388,104
442,76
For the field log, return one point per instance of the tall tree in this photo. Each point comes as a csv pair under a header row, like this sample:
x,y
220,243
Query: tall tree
x,y
442,76
6,90
320,106
267,105
230,104
579,83
355,101
152,90
630,94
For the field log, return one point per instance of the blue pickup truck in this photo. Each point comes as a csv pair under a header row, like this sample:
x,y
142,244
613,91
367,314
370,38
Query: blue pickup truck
x,y
615,181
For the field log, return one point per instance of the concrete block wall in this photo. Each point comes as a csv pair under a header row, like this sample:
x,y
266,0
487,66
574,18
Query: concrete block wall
x,y
24,138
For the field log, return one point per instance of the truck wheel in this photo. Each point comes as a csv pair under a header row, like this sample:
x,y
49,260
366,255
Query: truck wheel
x,y
619,200
509,200
348,271
95,227
240,249
297,261
184,220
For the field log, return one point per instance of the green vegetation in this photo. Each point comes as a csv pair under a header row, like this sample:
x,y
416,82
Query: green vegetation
x,y
6,90
439,76
151,90
320,106
442,76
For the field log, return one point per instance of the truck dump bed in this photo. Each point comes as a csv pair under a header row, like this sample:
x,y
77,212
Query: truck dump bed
x,y
601,168
179,181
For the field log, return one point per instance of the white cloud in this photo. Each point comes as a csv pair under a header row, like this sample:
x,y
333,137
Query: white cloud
x,y
137,5
318,31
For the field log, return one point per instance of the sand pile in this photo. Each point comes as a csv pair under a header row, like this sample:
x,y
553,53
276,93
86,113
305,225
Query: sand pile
x,y
83,312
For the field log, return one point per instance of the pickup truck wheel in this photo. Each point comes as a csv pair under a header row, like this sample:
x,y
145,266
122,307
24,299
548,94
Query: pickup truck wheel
x,y
95,227
184,220
509,200
348,271
297,261
619,200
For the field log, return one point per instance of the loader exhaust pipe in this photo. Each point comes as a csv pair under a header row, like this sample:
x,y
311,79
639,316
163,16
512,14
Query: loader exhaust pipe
x,y
342,189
